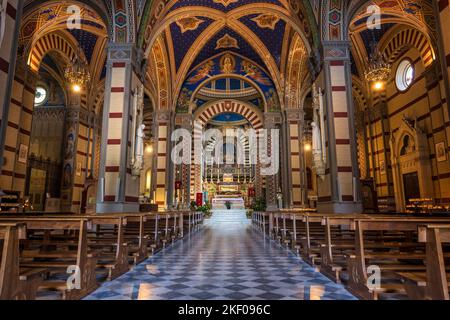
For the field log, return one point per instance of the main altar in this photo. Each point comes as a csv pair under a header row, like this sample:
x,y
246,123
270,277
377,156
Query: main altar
x,y
227,193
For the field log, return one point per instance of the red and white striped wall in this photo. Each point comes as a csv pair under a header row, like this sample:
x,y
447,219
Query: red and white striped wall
x,y
120,190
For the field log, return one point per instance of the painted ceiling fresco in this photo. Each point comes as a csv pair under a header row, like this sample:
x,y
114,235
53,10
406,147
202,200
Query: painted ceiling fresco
x,y
418,10
223,65
221,5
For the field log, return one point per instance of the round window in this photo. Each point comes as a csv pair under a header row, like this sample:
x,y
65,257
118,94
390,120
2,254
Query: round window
x,y
40,96
405,75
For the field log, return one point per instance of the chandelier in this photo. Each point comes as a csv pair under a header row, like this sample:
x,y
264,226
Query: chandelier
x,y
77,73
378,70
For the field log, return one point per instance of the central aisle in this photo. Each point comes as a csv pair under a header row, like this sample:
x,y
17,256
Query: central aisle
x,y
226,259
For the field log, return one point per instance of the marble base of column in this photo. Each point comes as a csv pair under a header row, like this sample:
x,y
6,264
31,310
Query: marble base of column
x,y
340,207
272,207
116,207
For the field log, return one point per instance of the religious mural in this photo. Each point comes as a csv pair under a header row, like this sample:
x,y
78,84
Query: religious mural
x,y
228,63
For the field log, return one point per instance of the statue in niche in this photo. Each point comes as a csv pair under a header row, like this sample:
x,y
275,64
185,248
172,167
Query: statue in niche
x,y
408,145
318,146
316,138
138,154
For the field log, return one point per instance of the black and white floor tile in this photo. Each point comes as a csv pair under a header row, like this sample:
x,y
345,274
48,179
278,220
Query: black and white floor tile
x,y
225,260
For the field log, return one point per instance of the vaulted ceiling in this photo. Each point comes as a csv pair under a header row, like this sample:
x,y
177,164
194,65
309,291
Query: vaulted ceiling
x,y
396,15
191,32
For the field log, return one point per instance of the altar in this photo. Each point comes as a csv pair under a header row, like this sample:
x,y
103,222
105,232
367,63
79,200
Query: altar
x,y
220,203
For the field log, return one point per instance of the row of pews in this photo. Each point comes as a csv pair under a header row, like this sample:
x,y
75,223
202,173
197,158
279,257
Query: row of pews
x,y
69,255
374,256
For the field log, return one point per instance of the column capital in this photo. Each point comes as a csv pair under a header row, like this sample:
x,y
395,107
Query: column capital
x,y
162,116
128,53
271,119
183,120
336,50
295,114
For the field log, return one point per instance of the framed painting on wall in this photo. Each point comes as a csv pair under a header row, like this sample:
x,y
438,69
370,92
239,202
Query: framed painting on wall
x,y
79,169
382,167
23,153
441,154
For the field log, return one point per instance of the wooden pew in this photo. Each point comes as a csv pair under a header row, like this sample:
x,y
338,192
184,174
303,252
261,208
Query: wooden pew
x,y
434,283
106,237
72,253
396,250
16,283
339,242
108,240
309,235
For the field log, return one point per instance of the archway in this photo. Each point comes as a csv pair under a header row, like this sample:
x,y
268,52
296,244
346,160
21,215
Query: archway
x,y
229,169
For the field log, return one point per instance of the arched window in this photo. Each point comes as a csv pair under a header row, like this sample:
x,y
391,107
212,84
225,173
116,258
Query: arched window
x,y
405,75
41,96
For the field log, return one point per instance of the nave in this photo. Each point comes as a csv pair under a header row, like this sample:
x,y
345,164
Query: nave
x,y
226,260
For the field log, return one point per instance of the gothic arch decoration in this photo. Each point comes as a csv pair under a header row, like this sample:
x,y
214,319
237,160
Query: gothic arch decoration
x,y
54,15
410,155
209,111
407,38
213,33
333,15
124,21
297,72
162,75
99,98
51,42
257,30
417,14
243,69
359,93
157,15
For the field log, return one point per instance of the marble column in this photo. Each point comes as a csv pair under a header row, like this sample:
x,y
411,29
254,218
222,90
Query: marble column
x,y
9,41
442,16
339,190
272,122
162,167
184,121
295,158
69,186
17,129
118,190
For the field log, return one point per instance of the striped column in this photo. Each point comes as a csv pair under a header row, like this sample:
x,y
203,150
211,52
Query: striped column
x,y
185,121
81,158
118,189
442,14
443,9
271,123
8,53
295,157
72,126
18,130
162,167
339,190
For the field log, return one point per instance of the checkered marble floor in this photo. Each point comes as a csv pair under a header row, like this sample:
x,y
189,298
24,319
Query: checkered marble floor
x,y
225,260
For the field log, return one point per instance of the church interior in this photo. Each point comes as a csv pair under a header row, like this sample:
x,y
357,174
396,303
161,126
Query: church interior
x,y
224,149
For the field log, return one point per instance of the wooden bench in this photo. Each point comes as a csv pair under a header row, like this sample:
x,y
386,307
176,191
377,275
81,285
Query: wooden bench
x,y
263,222
73,252
309,234
339,240
433,284
394,250
16,283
